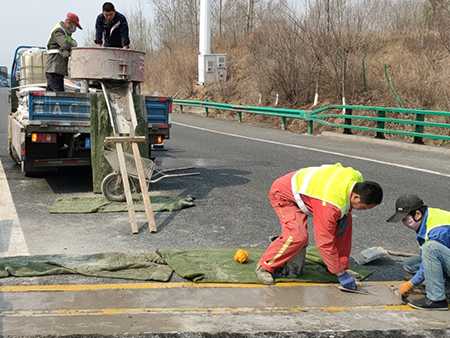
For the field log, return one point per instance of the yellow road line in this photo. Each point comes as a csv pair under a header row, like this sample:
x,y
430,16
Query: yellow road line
x,y
131,286
194,310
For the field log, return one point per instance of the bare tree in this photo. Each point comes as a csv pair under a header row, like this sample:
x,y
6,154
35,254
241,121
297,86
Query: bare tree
x,y
175,20
434,10
335,31
140,28
437,15
250,15
233,16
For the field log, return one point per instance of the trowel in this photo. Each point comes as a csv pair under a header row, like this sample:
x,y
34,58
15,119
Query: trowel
x,y
359,290
370,254
397,293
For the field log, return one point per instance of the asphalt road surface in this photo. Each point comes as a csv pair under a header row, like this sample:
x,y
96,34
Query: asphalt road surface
x,y
237,165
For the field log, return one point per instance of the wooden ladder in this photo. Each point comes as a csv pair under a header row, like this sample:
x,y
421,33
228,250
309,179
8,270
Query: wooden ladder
x,y
119,100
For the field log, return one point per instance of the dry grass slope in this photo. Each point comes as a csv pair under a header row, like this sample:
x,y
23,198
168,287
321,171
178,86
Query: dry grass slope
x,y
265,64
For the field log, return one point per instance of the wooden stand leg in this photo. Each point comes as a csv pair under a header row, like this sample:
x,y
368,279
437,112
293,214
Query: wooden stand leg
x,y
126,188
144,188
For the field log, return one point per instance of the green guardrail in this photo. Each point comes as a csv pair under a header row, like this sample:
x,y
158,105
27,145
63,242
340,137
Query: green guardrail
x,y
401,121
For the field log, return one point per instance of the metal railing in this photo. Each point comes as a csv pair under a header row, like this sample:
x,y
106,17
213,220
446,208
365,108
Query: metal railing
x,y
414,123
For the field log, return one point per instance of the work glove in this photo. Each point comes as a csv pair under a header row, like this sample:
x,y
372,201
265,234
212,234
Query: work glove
x,y
406,289
354,274
347,281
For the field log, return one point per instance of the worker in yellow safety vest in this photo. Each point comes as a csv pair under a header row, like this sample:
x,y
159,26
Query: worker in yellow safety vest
x,y
432,267
59,45
327,194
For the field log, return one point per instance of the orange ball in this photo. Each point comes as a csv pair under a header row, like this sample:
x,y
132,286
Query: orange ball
x,y
241,256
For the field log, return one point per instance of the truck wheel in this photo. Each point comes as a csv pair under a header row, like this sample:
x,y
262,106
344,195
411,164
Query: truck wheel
x,y
112,187
27,169
13,155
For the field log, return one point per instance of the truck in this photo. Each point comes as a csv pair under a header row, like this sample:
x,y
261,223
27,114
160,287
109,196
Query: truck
x,y
4,76
49,130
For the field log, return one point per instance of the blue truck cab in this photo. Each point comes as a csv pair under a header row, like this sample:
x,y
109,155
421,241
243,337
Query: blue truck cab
x,y
4,76
48,130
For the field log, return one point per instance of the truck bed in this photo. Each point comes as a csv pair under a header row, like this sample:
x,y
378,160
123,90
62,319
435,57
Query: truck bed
x,y
62,121
59,108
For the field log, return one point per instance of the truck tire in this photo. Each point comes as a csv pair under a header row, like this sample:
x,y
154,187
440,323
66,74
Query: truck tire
x,y
27,169
14,156
112,187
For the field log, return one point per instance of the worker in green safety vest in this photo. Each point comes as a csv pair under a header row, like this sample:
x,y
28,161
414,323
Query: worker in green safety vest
x,y
432,267
59,45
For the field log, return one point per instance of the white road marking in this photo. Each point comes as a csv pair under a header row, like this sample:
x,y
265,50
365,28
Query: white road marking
x,y
12,240
319,150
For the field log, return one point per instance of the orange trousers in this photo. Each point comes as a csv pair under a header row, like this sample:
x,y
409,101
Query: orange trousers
x,y
293,226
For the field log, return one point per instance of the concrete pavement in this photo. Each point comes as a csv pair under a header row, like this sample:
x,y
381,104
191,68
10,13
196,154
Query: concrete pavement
x,y
213,310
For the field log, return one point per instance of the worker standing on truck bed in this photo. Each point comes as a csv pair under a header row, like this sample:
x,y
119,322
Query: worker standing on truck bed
x,y
328,194
111,28
59,45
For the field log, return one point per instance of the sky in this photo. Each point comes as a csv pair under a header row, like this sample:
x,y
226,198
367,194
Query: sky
x,y
29,22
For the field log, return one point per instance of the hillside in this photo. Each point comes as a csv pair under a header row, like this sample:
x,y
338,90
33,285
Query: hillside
x,y
275,60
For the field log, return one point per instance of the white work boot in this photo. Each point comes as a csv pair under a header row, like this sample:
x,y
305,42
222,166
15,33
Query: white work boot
x,y
264,276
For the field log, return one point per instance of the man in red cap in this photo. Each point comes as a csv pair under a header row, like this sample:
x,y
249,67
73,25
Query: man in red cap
x,y
59,45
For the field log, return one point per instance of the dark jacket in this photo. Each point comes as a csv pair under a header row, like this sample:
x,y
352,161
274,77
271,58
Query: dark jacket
x,y
112,34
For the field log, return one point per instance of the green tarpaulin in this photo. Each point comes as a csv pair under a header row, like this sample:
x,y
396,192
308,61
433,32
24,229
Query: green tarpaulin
x,y
144,267
83,205
198,265
218,266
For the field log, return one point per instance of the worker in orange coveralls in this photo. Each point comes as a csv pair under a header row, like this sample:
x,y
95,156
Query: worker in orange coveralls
x,y
327,193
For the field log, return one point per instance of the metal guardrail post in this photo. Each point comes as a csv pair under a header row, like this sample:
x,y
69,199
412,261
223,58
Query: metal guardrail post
x,y
348,122
380,124
283,123
310,128
181,108
239,115
310,123
419,128
206,110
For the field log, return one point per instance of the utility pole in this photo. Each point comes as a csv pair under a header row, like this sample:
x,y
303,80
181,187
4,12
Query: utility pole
x,y
211,67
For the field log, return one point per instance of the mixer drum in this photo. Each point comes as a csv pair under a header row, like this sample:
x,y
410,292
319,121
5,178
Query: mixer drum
x,y
100,63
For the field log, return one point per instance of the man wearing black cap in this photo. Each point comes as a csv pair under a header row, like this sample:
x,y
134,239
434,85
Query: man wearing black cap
x,y
433,234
